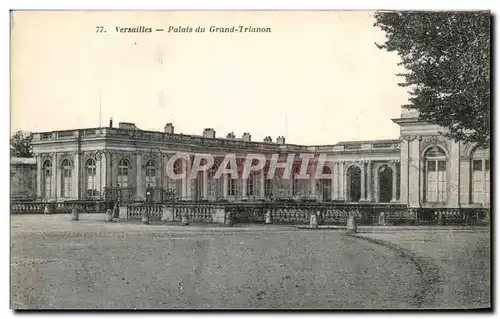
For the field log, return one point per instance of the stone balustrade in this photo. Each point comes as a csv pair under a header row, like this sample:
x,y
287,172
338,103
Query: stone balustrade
x,y
281,213
37,207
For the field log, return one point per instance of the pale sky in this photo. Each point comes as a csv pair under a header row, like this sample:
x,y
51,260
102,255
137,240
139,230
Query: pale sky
x,y
319,70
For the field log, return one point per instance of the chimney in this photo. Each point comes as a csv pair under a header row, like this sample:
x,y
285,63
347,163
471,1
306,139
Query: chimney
x,y
246,137
231,136
280,140
209,133
169,128
268,139
110,122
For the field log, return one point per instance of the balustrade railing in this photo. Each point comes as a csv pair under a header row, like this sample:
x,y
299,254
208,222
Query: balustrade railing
x,y
297,213
23,207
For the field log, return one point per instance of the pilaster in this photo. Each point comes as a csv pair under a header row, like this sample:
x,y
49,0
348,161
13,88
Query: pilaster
x,y
224,185
405,160
205,185
363,188
262,184
369,181
415,173
54,184
39,176
75,176
394,182
139,181
454,174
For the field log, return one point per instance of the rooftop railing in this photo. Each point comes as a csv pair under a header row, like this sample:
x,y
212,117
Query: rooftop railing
x,y
194,140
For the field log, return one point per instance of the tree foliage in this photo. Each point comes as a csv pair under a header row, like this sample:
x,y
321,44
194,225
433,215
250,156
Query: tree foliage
x,y
447,58
21,144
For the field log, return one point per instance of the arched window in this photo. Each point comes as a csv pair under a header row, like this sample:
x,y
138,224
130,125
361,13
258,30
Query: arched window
x,y
123,170
326,185
385,183
47,178
251,181
480,179
66,178
151,174
214,185
436,190
90,174
295,181
174,186
353,175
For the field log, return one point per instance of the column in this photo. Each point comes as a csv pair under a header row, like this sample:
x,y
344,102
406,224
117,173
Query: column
x,y
369,181
465,181
313,181
113,171
342,182
244,187
76,178
184,179
189,181
54,184
415,173
139,181
454,174
224,185
205,185
334,181
363,190
404,170
98,174
394,182
262,184
376,186
313,187
39,176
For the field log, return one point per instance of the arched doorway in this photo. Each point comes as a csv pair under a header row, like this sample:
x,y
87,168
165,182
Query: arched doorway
x,y
326,185
354,183
385,184
199,186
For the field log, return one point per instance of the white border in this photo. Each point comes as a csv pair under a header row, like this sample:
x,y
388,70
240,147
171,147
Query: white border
x,y
189,5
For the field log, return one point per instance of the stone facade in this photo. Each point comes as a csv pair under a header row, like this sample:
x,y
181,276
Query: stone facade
x,y
420,169
22,178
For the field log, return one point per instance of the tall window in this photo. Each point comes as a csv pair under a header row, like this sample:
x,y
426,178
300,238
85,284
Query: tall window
x,y
268,187
47,178
231,185
66,178
199,185
250,184
175,185
151,174
295,184
435,168
481,176
123,168
326,185
90,174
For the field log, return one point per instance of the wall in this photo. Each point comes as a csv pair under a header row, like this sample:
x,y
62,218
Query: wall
x,y
22,181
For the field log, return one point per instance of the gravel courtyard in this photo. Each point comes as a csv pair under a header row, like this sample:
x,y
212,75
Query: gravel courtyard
x,y
56,263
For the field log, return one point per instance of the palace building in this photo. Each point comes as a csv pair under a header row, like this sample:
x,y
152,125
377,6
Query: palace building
x,y
421,168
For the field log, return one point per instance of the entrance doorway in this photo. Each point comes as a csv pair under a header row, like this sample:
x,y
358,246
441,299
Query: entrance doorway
x,y
354,183
385,184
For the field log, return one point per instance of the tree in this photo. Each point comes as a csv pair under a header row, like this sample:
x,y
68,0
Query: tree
x,y
447,58
21,143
